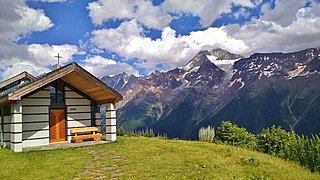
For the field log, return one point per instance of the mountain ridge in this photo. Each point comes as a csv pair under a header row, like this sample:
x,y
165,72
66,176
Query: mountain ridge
x,y
207,90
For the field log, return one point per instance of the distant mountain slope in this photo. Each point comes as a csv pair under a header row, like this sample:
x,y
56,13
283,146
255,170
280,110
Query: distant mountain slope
x,y
255,92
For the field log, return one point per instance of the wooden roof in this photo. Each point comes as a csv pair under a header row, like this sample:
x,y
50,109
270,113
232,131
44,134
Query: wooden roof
x,y
74,75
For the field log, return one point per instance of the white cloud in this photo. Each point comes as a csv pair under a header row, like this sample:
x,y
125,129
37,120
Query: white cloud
x,y
20,65
100,66
284,12
141,10
269,35
43,54
266,34
242,12
107,9
159,17
51,1
36,59
17,19
289,26
30,20
127,40
207,10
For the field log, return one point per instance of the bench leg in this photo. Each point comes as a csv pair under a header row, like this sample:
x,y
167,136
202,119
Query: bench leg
x,y
79,140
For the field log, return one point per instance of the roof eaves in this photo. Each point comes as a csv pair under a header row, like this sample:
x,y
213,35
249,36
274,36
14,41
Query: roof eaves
x,y
17,77
40,82
99,83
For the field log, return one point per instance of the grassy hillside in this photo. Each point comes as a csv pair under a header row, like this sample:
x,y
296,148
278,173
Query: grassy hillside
x,y
149,158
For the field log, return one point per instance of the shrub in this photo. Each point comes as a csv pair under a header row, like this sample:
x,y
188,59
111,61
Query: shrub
x,y
288,145
121,132
231,134
162,136
277,142
206,134
145,133
308,152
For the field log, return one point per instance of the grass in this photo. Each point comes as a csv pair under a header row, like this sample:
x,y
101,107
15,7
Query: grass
x,y
150,158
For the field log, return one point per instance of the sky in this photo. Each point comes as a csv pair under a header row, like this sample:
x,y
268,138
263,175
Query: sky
x,y
108,37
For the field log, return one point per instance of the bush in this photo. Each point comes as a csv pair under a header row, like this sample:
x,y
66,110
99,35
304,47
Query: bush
x,y
308,152
288,145
121,132
145,133
277,142
206,134
231,134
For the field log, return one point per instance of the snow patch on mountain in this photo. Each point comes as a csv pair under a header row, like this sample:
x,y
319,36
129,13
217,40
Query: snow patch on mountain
x,y
239,80
226,65
297,72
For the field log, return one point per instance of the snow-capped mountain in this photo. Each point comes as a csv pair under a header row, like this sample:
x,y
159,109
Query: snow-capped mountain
x,y
255,92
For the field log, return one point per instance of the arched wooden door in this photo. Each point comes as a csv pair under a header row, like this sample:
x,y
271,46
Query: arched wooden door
x,y
57,125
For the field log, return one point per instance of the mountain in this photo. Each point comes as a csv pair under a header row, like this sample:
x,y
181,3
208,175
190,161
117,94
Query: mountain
x,y
256,92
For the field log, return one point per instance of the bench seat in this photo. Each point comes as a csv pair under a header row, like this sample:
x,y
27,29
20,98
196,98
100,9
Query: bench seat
x,y
86,133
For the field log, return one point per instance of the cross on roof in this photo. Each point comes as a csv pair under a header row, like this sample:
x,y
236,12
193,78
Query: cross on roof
x,y
58,58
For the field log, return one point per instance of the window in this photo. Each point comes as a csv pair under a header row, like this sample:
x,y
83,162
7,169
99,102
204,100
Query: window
x,y
53,94
57,92
5,111
95,108
13,84
60,92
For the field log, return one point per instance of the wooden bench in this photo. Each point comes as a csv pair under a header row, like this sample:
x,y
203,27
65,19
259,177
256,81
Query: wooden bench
x,y
86,133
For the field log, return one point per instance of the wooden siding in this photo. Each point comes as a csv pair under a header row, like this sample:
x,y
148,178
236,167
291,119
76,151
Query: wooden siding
x,y
35,142
32,118
73,102
72,94
74,109
41,94
30,110
7,130
35,135
38,126
98,121
79,116
111,122
38,101
78,111
79,123
35,118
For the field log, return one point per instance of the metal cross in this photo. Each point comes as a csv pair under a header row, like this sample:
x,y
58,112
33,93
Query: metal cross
x,y
58,58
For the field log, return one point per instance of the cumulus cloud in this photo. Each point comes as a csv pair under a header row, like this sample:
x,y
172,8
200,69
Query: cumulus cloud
x,y
20,65
44,53
207,10
160,16
277,29
284,12
100,66
141,10
268,35
51,1
30,20
127,40
36,59
16,20
289,26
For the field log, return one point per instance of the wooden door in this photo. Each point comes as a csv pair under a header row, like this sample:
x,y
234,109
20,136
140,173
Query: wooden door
x,y
57,125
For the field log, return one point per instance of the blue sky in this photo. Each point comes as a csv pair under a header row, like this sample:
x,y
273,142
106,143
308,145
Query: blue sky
x,y
140,36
